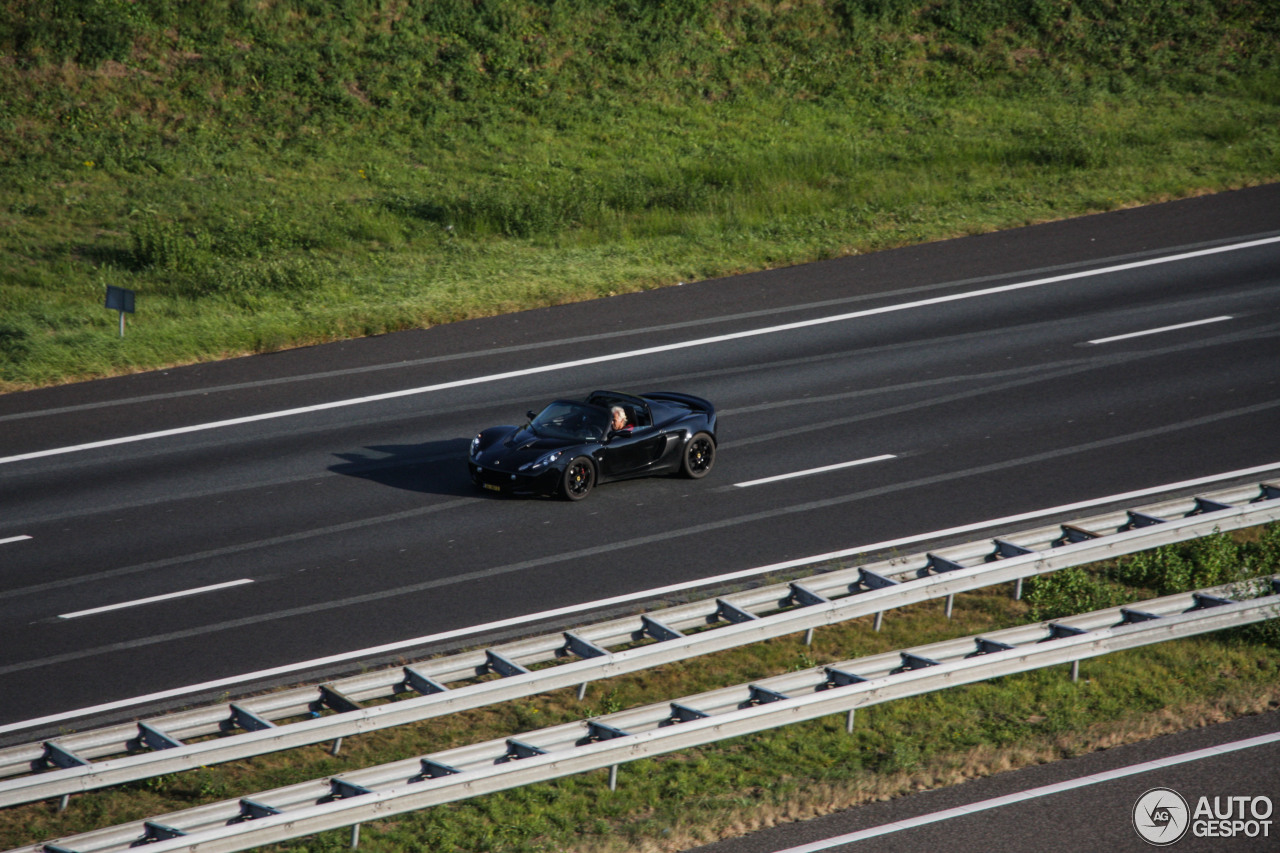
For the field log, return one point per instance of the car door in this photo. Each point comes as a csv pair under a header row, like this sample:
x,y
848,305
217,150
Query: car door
x,y
625,454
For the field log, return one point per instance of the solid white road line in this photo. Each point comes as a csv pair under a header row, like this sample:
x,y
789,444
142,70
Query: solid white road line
x,y
821,470
153,599
248,678
1161,329
1036,793
14,539
550,368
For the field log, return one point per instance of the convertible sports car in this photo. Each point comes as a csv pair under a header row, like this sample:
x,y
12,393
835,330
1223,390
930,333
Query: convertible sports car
x,y
570,446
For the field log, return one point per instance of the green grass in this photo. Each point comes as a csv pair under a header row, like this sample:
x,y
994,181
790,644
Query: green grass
x,y
271,174
801,770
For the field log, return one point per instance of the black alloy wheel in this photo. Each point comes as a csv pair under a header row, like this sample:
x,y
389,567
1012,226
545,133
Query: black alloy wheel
x,y
579,477
699,454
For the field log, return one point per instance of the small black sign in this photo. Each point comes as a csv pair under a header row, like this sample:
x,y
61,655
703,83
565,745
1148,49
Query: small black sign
x,y
120,299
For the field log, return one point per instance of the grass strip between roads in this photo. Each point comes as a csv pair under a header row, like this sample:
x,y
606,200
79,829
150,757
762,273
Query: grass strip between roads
x,y
678,801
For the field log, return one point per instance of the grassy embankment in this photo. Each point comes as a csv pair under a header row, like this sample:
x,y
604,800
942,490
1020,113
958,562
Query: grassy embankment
x,y
270,174
812,768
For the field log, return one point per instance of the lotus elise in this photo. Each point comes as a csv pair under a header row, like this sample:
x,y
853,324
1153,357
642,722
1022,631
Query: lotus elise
x,y
572,446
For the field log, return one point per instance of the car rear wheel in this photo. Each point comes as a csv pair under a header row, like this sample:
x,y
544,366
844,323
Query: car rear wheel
x,y
579,477
699,455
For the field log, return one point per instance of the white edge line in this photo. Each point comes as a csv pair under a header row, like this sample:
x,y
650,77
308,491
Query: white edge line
x,y
153,599
548,368
1034,793
14,539
821,470
286,669
1162,329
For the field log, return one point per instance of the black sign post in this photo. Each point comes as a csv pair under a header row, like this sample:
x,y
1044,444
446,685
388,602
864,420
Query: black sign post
x,y
120,299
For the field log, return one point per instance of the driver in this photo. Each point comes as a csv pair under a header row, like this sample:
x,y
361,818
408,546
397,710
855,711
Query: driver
x,y
620,424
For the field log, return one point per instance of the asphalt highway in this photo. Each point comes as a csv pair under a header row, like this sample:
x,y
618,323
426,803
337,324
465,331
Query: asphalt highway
x,y
188,526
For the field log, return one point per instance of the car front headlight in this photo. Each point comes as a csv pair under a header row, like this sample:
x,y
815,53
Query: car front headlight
x,y
475,445
543,462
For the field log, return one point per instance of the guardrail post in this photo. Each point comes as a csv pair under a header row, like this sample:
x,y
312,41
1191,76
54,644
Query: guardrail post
x,y
1129,616
730,612
154,831
582,690
1075,671
422,684
60,756
951,600
879,620
1203,600
355,836
335,700
613,777
252,809
1140,519
575,645
941,564
762,696
1058,631
650,627
848,721
517,750
1207,505
1017,590
502,665
868,579
341,789
153,738
912,662
1072,534
803,596
808,637
64,802
337,745
244,718
684,714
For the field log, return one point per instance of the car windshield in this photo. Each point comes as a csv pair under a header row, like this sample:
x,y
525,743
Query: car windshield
x,y
573,421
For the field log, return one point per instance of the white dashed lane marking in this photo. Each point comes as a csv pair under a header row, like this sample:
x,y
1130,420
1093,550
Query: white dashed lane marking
x,y
154,599
821,470
1161,329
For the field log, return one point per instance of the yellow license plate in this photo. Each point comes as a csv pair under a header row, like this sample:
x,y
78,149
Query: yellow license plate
x,y
492,487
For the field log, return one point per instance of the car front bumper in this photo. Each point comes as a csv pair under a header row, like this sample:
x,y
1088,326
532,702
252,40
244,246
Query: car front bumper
x,y
543,482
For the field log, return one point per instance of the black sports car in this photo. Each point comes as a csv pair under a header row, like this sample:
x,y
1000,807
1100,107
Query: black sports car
x,y
571,445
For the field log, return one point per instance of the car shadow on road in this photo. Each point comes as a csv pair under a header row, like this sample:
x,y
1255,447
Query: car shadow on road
x,y
435,467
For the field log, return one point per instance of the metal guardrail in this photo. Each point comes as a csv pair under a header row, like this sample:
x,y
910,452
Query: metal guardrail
x,y
270,723
608,741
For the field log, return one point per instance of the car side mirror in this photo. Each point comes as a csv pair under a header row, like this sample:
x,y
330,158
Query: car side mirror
x,y
530,415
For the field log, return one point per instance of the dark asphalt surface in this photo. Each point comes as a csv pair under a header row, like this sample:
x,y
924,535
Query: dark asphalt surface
x,y
1098,817
357,525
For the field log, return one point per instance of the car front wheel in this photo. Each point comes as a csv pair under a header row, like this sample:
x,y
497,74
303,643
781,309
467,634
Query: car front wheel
x,y
699,454
579,477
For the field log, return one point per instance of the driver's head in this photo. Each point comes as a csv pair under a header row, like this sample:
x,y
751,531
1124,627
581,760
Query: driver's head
x,y
619,417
